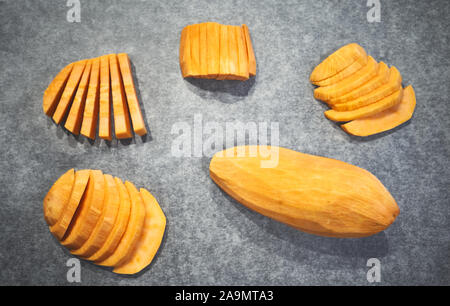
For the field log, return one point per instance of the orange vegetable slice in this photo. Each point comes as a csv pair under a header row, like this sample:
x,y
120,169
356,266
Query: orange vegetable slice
x,y
243,67
203,45
337,61
105,99
384,120
133,231
54,91
185,53
151,237
233,63
69,91
394,84
122,125
348,71
348,84
73,122
57,197
224,68
194,34
59,229
250,53
368,110
380,79
106,221
88,212
213,49
120,225
131,96
90,115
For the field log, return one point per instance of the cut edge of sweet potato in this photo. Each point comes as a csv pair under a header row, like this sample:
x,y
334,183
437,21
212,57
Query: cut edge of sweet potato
x,y
104,121
90,113
250,51
53,93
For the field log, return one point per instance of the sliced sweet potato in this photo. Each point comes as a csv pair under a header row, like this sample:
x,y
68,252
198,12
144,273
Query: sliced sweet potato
x,y
59,229
122,126
348,84
73,122
368,110
348,71
203,45
185,53
106,221
337,61
151,237
380,79
224,68
250,51
233,63
69,91
213,49
120,225
57,197
133,231
394,84
88,212
90,114
384,120
243,67
130,91
104,123
54,91
194,34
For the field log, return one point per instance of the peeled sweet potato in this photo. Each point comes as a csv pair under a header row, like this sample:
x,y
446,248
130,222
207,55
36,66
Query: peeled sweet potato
x,y
214,51
346,72
337,61
314,194
104,122
105,221
384,120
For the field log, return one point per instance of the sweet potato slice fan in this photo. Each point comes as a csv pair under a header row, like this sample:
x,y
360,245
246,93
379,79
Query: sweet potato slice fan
x,y
360,90
214,51
84,91
101,219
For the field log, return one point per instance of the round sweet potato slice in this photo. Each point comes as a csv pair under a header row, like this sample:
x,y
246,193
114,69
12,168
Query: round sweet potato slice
x,y
58,196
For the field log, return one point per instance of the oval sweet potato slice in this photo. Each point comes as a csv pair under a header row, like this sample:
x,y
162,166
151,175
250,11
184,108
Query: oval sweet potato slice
x,y
353,68
368,110
384,120
337,61
88,212
394,84
57,197
348,84
120,225
59,229
133,231
151,237
106,221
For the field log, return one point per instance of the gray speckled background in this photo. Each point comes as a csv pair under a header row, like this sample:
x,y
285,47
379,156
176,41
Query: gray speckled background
x,y
210,238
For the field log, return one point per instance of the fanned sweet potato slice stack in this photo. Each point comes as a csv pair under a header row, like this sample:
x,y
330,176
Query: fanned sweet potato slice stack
x,y
100,219
214,51
93,91
358,88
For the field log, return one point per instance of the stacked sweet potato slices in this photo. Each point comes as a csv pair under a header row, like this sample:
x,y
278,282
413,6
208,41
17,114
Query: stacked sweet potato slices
x,y
101,219
82,93
361,90
213,51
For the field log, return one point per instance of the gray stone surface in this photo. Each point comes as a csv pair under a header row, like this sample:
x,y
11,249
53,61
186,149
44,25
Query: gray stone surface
x,y
210,238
